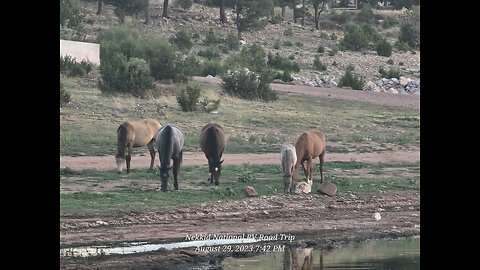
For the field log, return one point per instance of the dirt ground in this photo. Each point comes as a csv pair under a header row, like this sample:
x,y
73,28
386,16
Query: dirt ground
x,y
314,219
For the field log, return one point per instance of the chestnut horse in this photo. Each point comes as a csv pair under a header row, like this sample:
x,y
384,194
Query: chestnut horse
x,y
288,158
132,134
310,144
213,142
169,144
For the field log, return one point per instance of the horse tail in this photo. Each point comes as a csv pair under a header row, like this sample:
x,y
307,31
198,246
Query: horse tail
x,y
165,146
213,148
121,141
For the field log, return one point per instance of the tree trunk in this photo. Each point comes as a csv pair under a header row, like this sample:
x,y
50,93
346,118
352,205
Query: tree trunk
x,y
272,13
147,13
303,12
99,7
223,18
317,16
165,9
237,22
294,11
283,12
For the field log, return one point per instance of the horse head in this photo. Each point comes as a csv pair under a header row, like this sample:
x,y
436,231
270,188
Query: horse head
x,y
164,172
215,170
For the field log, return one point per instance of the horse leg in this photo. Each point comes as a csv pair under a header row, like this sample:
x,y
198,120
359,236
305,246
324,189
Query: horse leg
x,y
152,153
321,166
310,170
129,156
305,170
176,167
210,178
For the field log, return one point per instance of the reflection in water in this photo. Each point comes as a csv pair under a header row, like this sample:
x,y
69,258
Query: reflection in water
x,y
400,254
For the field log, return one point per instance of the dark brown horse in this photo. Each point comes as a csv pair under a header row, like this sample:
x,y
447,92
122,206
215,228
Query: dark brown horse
x,y
213,142
310,144
132,134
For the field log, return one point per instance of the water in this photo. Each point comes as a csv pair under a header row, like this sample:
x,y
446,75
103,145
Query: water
x,y
400,254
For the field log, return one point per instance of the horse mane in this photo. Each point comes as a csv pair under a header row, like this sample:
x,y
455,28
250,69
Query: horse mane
x,y
121,140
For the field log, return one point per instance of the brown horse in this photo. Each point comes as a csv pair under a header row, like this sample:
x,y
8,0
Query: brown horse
x,y
213,142
132,134
310,144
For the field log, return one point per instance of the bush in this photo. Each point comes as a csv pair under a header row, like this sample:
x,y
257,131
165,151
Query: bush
x,y
276,44
252,57
366,14
288,43
321,49
247,84
183,40
137,77
288,32
409,35
70,67
207,105
282,63
390,61
333,51
211,38
384,48
391,73
65,96
351,79
358,38
71,18
318,65
402,46
389,22
188,98
210,53
232,42
185,4
213,68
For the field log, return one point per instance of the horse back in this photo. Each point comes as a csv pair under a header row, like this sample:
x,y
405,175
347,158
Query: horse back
x,y
288,157
169,142
145,131
310,144
213,140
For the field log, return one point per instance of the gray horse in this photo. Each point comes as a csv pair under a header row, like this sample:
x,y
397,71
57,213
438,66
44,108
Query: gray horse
x,y
169,144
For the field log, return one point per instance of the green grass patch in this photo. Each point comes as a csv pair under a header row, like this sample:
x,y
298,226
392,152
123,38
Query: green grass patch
x,y
139,190
88,124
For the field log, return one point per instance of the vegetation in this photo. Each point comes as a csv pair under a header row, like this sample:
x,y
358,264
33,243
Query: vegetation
x,y
351,79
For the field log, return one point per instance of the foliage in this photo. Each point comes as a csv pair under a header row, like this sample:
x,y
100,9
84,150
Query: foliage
x,y
366,14
212,38
391,73
211,52
208,105
232,42
384,48
185,4
252,14
251,57
359,37
128,7
282,63
65,96
212,68
409,35
351,79
70,67
321,49
71,21
247,84
183,40
318,65
188,98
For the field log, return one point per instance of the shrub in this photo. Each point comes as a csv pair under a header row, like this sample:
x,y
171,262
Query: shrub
x,y
207,105
232,41
288,43
299,44
210,53
137,77
276,44
384,48
318,65
333,51
409,35
165,62
402,46
183,40
65,96
391,73
247,84
366,13
185,4
390,61
288,32
213,68
252,57
211,37
389,22
321,49
355,39
70,67
71,18
188,98
282,63
351,79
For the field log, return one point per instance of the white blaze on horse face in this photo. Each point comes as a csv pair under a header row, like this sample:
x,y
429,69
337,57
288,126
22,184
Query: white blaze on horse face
x,y
216,169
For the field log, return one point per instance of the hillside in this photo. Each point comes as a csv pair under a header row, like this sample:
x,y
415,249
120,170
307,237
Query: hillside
x,y
301,42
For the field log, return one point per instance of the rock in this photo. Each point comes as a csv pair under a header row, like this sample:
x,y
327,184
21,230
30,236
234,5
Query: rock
x,y
377,216
393,90
250,191
404,81
327,188
303,188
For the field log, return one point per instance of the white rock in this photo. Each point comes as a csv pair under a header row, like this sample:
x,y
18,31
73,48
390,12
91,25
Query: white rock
x,y
377,216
